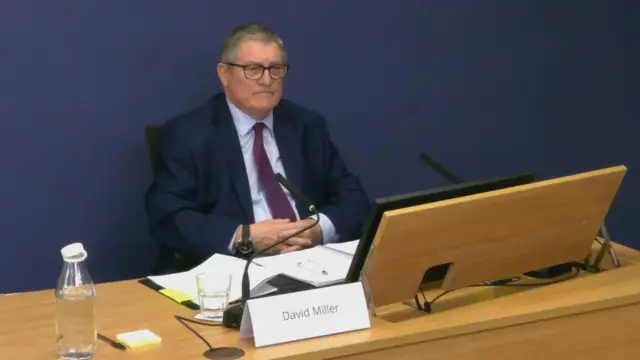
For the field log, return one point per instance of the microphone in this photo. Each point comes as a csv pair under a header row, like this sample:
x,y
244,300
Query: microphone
x,y
439,169
232,316
546,273
296,193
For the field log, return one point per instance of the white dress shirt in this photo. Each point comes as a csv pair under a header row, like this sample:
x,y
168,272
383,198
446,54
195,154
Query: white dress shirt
x,y
244,126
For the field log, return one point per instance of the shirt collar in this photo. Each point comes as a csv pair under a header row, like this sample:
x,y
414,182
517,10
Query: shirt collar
x,y
244,123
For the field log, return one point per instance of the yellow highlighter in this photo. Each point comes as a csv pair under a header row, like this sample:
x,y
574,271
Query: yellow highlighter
x,y
138,339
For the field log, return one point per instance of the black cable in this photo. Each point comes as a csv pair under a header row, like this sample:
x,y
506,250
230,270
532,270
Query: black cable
x,y
577,271
427,306
182,319
415,298
418,300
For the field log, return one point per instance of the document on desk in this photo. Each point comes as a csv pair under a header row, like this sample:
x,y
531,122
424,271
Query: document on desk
x,y
348,247
185,282
319,266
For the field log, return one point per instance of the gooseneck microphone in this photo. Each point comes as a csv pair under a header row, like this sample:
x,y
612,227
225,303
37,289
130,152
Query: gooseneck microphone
x,y
232,316
546,273
295,192
439,169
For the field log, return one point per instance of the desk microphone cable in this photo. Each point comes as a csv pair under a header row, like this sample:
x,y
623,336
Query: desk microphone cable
x,y
223,352
183,320
427,306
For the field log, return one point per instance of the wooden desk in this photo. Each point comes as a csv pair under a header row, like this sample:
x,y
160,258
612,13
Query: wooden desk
x,y
592,316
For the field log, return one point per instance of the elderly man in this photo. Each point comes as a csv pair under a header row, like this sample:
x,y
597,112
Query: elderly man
x,y
214,189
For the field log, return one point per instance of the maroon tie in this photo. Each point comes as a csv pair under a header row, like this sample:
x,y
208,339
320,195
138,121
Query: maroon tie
x,y
276,198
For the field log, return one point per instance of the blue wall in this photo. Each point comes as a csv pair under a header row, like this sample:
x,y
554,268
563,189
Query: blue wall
x,y
487,87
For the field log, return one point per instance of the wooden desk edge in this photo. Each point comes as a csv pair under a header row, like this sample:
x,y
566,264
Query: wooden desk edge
x,y
390,339
413,331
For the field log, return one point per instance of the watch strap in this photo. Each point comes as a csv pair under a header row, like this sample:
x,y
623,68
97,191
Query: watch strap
x,y
244,233
245,246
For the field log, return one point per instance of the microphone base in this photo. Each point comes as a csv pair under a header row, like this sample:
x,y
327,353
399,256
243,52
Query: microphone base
x,y
232,317
226,353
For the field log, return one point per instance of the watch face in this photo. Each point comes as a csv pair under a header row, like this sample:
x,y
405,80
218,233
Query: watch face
x,y
245,246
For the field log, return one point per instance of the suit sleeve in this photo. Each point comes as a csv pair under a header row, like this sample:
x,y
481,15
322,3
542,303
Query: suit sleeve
x,y
175,217
347,203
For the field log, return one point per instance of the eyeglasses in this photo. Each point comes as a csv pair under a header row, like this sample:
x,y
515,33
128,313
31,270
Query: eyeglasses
x,y
255,71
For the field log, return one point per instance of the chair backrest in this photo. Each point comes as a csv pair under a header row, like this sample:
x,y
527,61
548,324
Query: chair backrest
x,y
153,135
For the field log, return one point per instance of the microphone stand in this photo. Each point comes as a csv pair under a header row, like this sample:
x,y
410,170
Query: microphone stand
x,y
439,169
232,316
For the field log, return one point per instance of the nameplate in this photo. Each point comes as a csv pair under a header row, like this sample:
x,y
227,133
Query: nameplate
x,y
305,314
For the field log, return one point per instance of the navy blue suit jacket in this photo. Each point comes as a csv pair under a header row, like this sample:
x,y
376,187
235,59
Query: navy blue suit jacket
x,y
200,192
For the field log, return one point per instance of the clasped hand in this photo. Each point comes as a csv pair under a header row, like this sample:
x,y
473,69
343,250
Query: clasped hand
x,y
267,232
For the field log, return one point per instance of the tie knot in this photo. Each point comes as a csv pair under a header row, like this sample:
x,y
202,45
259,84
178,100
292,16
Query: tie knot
x,y
258,127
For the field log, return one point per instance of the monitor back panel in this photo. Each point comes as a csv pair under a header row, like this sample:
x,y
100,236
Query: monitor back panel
x,y
489,236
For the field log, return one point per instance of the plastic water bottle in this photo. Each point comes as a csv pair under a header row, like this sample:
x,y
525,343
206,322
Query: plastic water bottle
x,y
75,299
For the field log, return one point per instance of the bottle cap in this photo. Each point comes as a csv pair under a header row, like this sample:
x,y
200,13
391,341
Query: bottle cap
x,y
74,252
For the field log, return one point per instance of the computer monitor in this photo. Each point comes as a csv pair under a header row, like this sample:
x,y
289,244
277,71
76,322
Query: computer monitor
x,y
384,204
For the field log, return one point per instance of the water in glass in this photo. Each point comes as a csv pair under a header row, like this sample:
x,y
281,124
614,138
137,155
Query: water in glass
x,y
213,294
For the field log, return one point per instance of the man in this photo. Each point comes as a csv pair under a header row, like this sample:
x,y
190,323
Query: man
x,y
214,189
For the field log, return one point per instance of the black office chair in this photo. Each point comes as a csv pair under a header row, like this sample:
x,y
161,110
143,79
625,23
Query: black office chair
x,y
153,135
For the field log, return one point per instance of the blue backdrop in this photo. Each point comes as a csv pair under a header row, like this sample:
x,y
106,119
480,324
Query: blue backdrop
x,y
488,87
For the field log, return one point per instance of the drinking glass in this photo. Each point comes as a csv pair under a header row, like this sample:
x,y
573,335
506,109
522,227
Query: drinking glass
x,y
213,294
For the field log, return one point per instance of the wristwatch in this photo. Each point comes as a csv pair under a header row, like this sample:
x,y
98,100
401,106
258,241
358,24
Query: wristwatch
x,y
244,245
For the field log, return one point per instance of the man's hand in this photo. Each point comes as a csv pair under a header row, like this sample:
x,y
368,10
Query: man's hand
x,y
313,236
267,232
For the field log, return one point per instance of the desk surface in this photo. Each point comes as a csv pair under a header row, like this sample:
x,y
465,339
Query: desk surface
x,y
28,327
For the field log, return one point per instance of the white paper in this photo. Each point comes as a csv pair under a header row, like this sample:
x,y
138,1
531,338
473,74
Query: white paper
x,y
185,282
305,314
318,266
348,247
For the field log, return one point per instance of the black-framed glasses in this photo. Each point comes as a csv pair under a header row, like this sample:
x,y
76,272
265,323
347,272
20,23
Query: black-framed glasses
x,y
255,71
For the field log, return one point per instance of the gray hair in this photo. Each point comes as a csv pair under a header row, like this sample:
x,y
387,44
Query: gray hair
x,y
244,32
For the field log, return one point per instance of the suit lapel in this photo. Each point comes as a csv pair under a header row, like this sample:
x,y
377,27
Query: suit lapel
x,y
228,136
288,136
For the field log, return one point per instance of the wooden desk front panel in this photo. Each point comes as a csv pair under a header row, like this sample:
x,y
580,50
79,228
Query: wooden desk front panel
x,y
606,334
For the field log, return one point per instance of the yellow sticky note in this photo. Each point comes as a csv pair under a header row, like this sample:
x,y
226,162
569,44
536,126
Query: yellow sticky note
x,y
176,295
137,339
